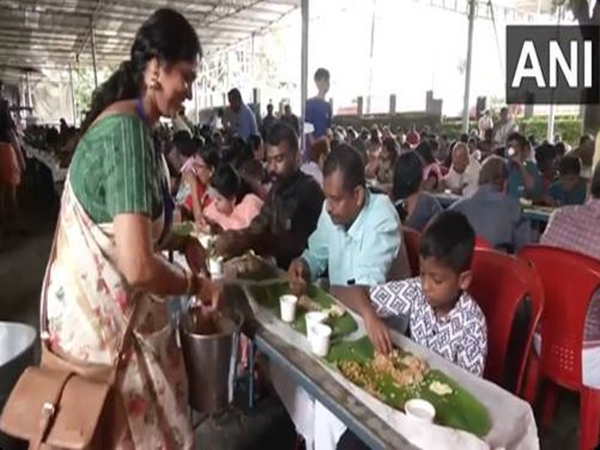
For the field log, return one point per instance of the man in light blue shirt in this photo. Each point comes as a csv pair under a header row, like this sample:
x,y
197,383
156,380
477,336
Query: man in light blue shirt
x,y
243,122
356,241
357,236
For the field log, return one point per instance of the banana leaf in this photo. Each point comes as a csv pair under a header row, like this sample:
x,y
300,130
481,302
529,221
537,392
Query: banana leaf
x,y
458,409
184,228
267,295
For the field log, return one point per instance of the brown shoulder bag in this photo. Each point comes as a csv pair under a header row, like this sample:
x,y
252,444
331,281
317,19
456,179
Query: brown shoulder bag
x,y
65,403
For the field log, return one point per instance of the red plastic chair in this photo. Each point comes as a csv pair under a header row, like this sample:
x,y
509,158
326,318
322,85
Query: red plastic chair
x,y
570,280
482,243
412,239
500,284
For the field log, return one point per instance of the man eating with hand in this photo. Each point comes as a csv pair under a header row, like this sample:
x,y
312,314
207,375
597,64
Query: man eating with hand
x,y
356,242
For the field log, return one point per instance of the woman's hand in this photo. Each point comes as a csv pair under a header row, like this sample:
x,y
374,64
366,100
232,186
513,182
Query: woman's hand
x,y
195,255
210,293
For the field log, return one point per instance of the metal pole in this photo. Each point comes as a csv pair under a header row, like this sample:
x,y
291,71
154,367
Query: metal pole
x,y
552,113
74,105
465,118
304,72
196,103
252,68
93,40
372,46
29,96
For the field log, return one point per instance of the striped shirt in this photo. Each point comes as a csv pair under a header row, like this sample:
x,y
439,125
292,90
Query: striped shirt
x,y
115,170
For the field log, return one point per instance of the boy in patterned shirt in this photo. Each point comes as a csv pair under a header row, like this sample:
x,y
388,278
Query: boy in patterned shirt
x,y
442,315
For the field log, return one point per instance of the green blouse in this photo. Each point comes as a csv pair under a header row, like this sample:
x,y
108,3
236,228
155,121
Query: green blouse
x,y
116,170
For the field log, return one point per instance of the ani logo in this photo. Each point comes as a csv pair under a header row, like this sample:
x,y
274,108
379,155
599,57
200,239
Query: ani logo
x,y
552,64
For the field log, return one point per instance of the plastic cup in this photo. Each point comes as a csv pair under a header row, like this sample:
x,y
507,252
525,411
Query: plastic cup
x,y
313,318
287,305
320,336
420,410
206,241
215,267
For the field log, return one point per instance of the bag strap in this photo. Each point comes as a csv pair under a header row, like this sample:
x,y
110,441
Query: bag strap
x,y
126,340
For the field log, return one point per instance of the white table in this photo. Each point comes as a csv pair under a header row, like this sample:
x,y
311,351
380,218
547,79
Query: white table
x,y
513,423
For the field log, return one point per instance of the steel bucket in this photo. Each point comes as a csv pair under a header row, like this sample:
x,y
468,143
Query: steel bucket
x,y
16,354
210,361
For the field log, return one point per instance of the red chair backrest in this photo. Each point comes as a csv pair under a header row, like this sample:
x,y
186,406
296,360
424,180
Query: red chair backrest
x,y
500,283
482,243
412,238
570,280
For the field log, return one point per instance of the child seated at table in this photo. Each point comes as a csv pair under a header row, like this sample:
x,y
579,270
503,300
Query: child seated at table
x,y
570,188
442,316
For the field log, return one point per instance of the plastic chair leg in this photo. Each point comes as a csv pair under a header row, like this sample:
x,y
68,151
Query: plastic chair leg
x,y
532,378
251,350
549,402
589,418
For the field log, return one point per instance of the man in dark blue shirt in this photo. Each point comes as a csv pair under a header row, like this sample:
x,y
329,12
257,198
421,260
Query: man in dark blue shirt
x,y
318,110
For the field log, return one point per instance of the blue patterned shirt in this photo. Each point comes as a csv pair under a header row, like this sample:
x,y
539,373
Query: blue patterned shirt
x,y
460,336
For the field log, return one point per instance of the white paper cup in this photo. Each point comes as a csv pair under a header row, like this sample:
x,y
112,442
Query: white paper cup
x,y
215,267
206,241
313,318
320,335
419,409
287,305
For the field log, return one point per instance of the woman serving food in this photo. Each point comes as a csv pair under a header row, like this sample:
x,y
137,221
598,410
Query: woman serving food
x,y
114,221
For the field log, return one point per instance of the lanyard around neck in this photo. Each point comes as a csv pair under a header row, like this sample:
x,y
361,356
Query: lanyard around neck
x,y
141,111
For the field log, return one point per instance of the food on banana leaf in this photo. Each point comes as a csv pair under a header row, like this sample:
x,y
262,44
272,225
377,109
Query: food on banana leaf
x,y
402,369
440,389
307,303
402,376
360,375
184,229
335,311
268,294
332,311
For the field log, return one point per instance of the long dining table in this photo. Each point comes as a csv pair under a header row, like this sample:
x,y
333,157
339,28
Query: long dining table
x,y
535,214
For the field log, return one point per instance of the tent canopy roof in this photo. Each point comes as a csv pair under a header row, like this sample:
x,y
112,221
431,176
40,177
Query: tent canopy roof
x,y
38,34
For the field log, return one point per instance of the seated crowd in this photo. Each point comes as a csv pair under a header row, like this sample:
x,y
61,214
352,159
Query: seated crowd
x,y
340,214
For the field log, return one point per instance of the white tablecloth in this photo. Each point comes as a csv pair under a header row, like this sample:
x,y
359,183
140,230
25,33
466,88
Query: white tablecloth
x,y
59,174
513,423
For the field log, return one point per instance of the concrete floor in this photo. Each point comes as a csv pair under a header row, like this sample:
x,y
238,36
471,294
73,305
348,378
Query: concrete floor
x,y
22,263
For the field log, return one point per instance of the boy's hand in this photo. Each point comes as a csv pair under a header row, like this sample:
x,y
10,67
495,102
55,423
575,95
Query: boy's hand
x,y
378,333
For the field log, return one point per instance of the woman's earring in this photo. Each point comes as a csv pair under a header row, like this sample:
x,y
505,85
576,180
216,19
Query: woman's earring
x,y
154,81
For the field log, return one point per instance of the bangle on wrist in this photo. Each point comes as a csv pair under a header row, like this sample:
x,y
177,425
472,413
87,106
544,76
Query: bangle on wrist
x,y
195,284
189,281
